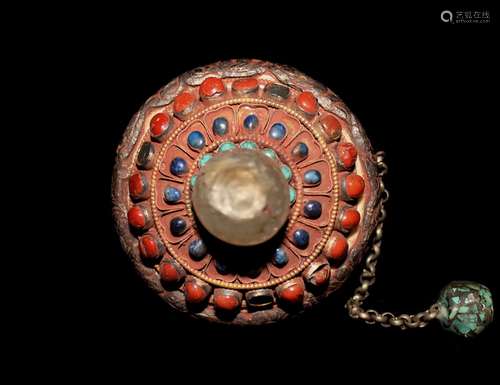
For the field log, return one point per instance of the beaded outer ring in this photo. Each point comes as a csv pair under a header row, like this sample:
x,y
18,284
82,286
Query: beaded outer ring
x,y
137,133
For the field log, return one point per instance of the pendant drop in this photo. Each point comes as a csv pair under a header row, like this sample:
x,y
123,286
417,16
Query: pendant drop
x,y
465,308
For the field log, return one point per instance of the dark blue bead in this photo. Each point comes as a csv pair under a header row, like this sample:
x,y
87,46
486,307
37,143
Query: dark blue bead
x,y
196,140
312,177
221,267
178,226
171,195
251,122
220,126
197,249
301,238
277,131
312,209
178,166
280,258
300,151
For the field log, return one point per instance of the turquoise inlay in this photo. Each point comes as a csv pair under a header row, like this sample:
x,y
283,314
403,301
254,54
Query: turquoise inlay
x,y
226,146
293,194
287,172
248,144
463,328
204,159
270,153
193,180
469,308
453,312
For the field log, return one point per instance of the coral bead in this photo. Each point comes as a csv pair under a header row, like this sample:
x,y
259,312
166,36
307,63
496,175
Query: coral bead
x,y
195,292
211,87
183,102
354,186
159,125
245,86
347,154
336,248
169,274
307,102
149,247
349,219
331,128
292,294
137,217
227,300
138,186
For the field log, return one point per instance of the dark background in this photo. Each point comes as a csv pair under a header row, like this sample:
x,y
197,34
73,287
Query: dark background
x,y
425,93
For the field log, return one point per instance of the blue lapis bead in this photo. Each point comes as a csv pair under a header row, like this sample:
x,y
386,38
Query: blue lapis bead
x,y
178,166
196,140
171,195
277,131
178,226
251,122
312,209
197,249
300,151
220,126
312,177
301,238
280,258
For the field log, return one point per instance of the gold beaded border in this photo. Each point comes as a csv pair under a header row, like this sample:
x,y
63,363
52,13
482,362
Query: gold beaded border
x,y
326,151
262,142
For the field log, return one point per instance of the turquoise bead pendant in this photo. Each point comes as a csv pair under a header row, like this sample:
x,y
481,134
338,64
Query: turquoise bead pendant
x,y
465,308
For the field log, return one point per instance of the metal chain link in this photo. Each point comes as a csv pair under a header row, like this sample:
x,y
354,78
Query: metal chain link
x,y
367,278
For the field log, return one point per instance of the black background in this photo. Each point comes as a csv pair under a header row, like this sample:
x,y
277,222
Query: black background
x,y
424,92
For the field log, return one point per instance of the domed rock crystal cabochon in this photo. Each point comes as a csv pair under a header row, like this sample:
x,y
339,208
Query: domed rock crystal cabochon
x,y
241,197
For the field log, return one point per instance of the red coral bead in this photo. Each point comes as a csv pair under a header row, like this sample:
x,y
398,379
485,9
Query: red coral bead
x,y
307,102
336,247
159,124
169,274
354,185
350,219
211,87
331,128
136,217
195,293
347,154
322,276
245,85
148,245
183,101
293,294
226,302
136,186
